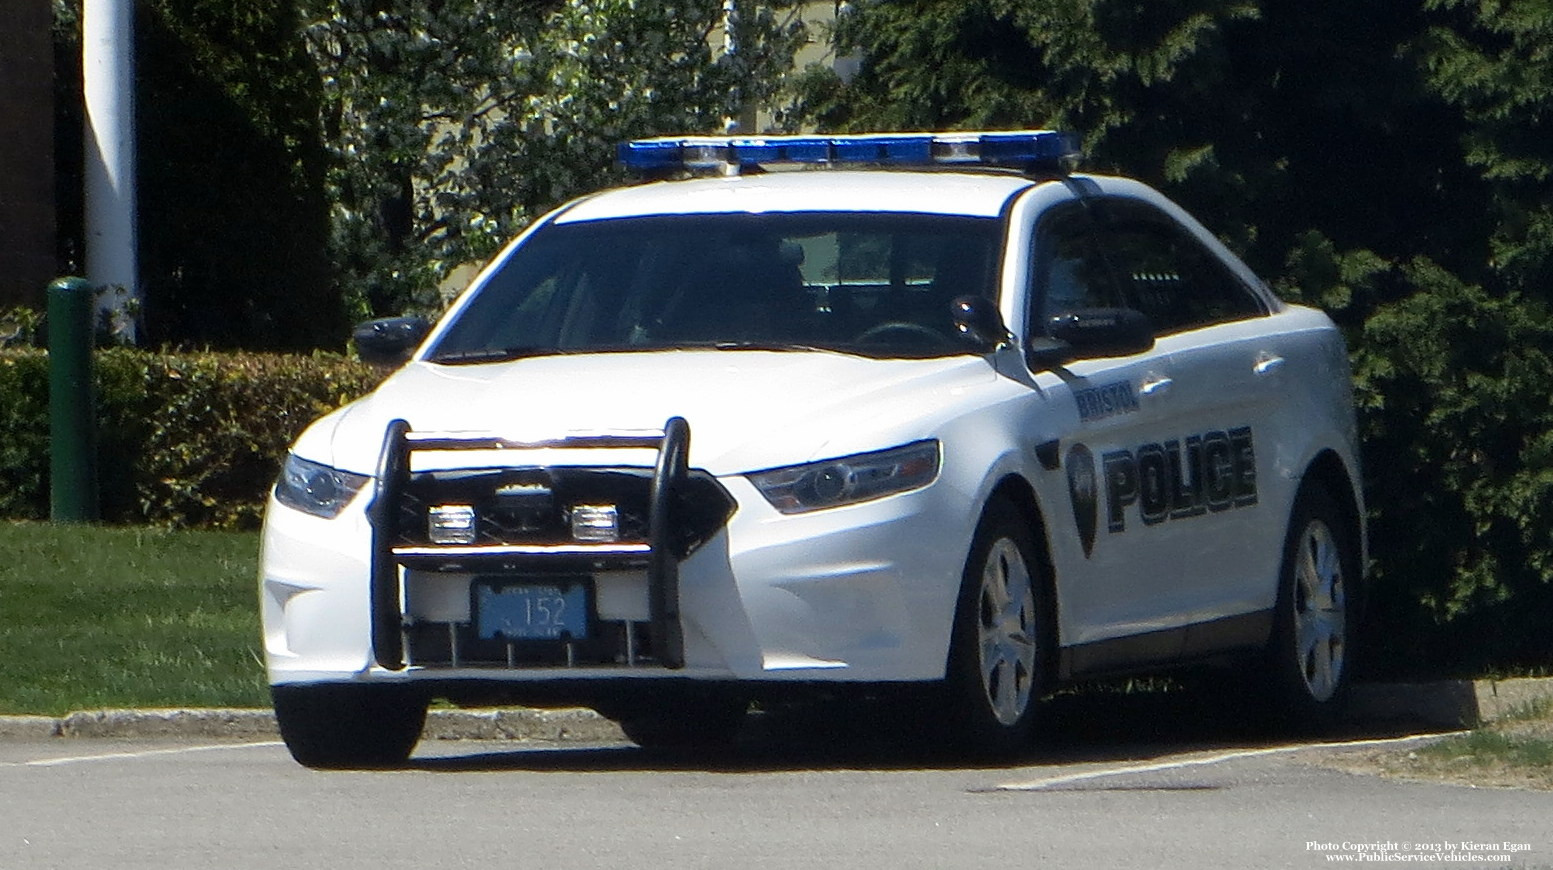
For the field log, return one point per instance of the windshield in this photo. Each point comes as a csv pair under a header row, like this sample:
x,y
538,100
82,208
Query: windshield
x,y
872,284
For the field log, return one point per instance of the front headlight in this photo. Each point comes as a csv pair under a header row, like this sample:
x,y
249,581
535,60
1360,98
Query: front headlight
x,y
850,479
316,489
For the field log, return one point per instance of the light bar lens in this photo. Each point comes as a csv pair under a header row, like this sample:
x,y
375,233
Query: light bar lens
x,y
1033,150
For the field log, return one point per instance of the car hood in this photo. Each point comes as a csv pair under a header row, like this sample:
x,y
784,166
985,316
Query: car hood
x,y
747,409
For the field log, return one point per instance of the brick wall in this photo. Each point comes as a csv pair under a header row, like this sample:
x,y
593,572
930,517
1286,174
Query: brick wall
x,y
27,241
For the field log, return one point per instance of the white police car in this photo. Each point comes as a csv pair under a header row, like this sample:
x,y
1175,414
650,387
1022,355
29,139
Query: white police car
x,y
844,411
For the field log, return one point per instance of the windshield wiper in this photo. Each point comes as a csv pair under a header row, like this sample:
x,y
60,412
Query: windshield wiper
x,y
762,345
488,354
865,351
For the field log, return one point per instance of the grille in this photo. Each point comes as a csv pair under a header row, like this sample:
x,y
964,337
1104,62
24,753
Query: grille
x,y
523,544
448,645
533,505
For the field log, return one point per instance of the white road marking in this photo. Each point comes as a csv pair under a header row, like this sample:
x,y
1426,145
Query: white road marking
x,y
147,753
1085,776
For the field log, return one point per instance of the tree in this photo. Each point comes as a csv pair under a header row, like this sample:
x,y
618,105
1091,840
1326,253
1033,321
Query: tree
x,y
1267,118
453,123
1458,430
1493,60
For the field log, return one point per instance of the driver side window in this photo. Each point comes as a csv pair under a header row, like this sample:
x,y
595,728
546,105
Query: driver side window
x,y
1168,275
1069,271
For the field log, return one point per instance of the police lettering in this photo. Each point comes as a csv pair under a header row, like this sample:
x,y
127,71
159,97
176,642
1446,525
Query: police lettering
x,y
1211,472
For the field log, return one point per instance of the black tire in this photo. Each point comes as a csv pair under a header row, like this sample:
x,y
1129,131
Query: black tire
x,y
1314,624
1001,640
349,726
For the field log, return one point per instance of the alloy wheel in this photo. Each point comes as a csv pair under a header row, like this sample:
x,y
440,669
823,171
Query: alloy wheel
x,y
1320,611
1006,626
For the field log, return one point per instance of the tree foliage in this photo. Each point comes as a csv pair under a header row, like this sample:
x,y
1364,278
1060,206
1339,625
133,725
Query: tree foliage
x,y
1459,439
1495,65
453,122
307,161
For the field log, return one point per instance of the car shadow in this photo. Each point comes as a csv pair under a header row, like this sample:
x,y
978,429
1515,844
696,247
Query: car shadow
x,y
1096,724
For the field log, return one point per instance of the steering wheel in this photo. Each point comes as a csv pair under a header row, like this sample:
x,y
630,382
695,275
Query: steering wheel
x,y
879,332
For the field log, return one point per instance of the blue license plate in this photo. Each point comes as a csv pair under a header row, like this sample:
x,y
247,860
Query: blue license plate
x,y
531,611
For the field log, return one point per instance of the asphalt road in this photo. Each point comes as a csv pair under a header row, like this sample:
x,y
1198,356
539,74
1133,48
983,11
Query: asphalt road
x,y
1115,788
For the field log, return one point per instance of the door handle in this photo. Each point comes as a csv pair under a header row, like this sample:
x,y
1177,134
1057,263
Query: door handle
x,y
1154,385
1267,363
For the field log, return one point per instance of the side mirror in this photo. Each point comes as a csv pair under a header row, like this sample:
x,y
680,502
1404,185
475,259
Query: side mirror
x,y
977,322
389,341
1087,333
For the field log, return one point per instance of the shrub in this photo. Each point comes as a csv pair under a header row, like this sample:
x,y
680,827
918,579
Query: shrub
x,y
184,439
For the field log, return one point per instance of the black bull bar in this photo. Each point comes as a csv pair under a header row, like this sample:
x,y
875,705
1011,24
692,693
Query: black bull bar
x,y
682,513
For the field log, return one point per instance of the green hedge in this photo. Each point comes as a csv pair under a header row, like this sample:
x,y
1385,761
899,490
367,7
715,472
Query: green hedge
x,y
184,439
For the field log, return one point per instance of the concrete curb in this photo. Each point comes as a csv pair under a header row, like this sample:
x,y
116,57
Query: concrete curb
x,y
1445,704
519,723
241,724
568,725
28,727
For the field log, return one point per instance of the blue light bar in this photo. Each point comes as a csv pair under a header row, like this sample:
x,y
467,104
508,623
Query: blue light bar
x,y
1027,150
889,148
756,151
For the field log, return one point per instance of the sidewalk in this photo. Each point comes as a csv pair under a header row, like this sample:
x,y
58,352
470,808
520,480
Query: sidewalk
x,y
1445,705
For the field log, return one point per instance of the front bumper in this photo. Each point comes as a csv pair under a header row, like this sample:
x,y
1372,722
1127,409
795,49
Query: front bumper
x,y
863,593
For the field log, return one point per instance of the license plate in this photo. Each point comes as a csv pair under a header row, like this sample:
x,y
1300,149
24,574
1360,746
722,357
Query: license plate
x,y
531,611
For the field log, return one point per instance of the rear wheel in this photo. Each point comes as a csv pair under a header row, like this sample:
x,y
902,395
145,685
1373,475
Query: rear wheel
x,y
1000,638
1313,625
342,726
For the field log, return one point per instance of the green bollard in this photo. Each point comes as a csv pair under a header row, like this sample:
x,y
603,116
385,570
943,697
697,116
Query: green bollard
x,y
72,403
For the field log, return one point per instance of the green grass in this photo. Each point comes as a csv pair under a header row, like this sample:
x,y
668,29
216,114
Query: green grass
x,y
1515,750
1493,747
95,617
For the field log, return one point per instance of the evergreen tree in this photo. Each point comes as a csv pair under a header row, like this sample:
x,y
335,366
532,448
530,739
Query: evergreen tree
x,y
1493,60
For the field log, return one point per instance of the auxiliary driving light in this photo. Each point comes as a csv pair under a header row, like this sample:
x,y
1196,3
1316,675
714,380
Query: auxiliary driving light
x,y
451,524
596,522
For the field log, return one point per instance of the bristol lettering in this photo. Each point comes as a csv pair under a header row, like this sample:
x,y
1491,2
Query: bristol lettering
x,y
1180,478
1097,403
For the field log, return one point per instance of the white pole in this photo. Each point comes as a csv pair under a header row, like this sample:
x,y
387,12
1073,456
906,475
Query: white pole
x,y
108,76
731,48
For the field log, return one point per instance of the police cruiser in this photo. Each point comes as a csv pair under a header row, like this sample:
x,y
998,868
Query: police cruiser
x,y
813,414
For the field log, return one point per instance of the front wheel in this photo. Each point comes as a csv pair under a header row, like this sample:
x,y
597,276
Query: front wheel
x,y
1314,625
1000,638
346,725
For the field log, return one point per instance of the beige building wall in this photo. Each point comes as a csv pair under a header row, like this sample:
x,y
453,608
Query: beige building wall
x,y
818,17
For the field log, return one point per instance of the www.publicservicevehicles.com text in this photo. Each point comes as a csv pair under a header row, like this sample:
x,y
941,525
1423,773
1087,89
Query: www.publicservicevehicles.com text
x,y
1436,852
